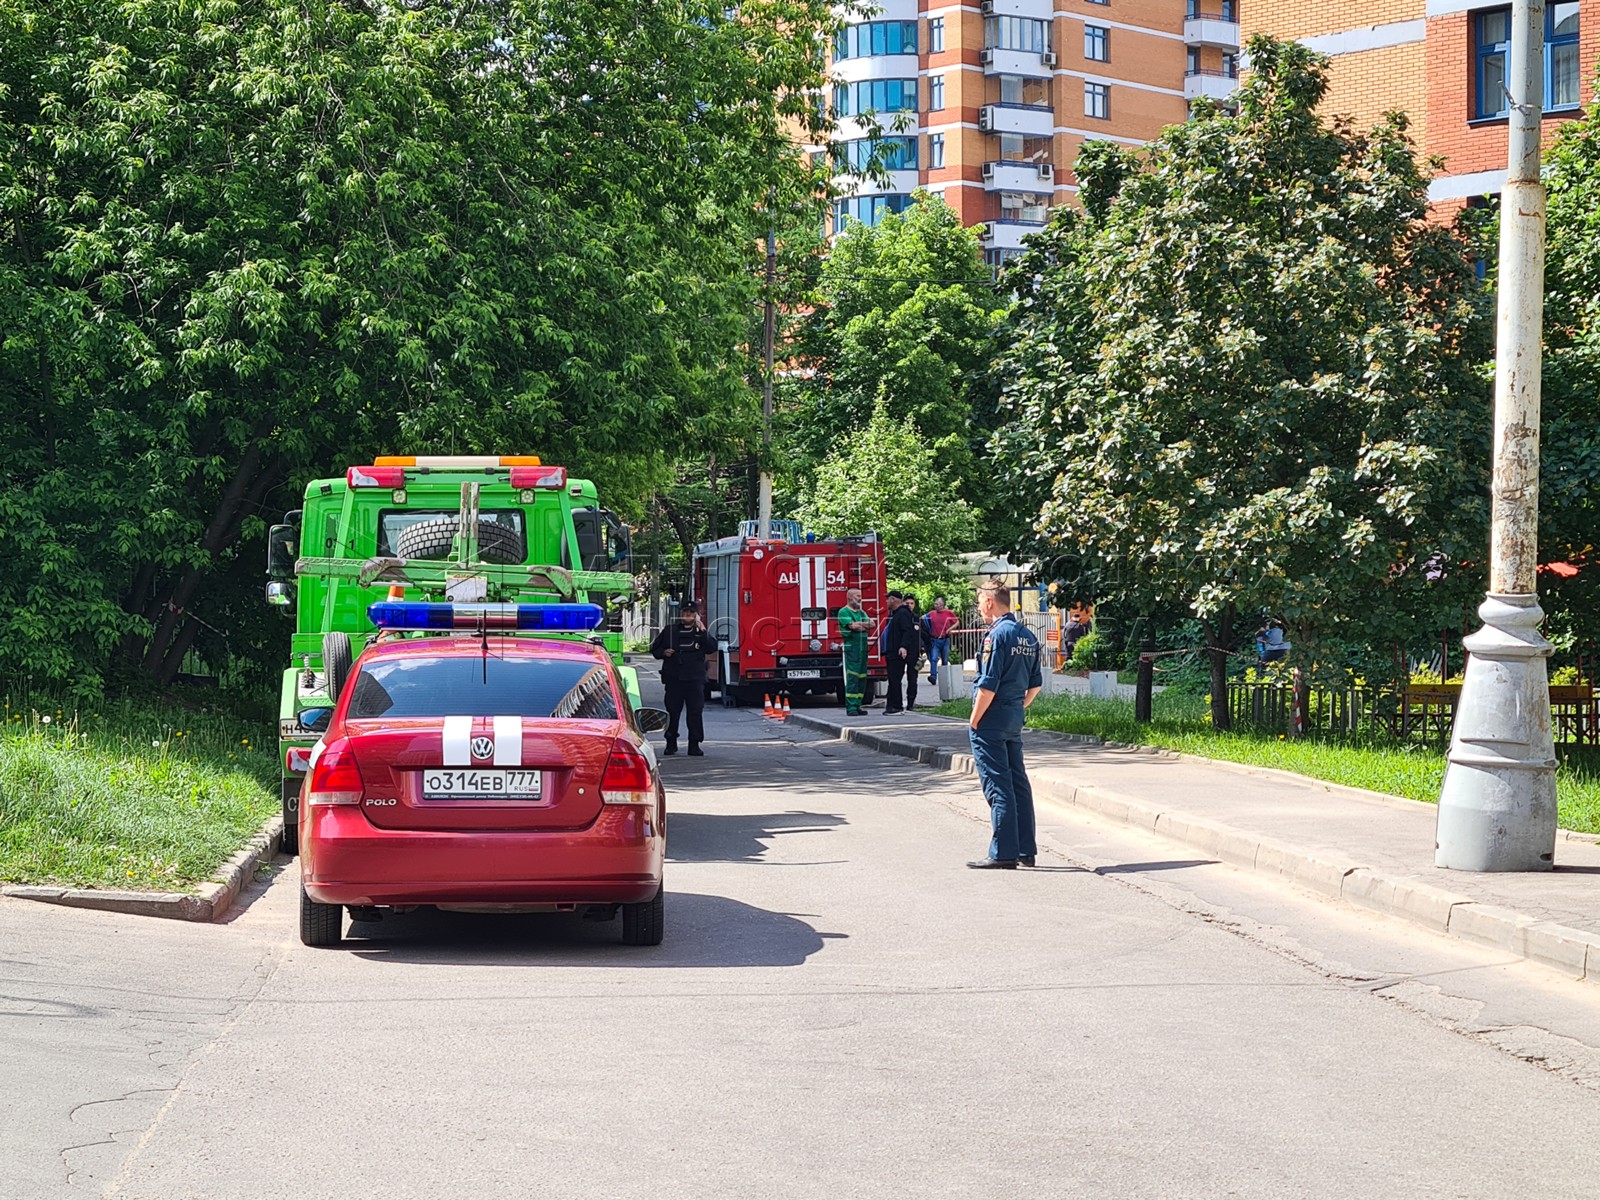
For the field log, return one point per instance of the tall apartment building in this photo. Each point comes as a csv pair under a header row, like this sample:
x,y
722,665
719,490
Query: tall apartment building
x,y
1444,63
987,103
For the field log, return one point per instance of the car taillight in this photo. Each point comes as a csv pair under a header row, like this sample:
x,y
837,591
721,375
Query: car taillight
x,y
335,778
297,759
628,778
375,477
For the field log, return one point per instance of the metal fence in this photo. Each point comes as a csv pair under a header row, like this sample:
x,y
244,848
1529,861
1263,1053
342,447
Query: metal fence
x,y
1420,713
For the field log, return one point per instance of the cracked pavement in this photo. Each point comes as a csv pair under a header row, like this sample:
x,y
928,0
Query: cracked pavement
x,y
840,1009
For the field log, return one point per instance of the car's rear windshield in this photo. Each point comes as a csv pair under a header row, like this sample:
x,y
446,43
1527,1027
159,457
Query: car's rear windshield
x,y
474,686
392,522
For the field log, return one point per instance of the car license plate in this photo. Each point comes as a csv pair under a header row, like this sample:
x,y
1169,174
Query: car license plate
x,y
445,784
805,674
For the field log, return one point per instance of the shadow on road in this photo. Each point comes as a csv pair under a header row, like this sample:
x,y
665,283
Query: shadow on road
x,y
738,837
1174,865
702,931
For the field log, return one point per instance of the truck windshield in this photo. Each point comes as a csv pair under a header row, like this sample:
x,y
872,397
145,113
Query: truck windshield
x,y
471,686
392,522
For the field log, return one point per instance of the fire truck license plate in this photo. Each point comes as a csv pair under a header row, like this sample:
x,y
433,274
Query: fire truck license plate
x,y
481,785
805,674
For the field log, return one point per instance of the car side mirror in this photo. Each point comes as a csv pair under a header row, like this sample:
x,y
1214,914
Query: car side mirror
x,y
651,719
316,719
283,542
280,594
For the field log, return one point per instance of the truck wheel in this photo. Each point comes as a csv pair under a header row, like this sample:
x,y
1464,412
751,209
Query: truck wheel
x,y
432,539
291,816
336,660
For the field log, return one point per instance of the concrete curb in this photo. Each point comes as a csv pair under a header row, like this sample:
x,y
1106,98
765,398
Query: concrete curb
x,y
1574,952
208,902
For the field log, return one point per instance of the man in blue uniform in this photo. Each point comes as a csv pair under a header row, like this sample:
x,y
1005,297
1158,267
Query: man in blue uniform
x,y
1010,675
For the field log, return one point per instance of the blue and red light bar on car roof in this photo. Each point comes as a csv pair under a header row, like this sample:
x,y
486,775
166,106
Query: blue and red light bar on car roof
x,y
423,615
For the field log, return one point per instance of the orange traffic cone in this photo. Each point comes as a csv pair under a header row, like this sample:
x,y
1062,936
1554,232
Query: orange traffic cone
x,y
767,711
784,715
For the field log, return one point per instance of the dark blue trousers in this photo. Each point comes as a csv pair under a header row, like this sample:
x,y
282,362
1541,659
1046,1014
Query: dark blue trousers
x,y
998,757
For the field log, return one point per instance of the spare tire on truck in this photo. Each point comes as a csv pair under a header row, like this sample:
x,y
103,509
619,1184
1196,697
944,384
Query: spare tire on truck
x,y
336,660
433,539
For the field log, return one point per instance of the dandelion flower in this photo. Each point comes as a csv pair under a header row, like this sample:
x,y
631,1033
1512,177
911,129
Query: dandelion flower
x,y
155,743
45,720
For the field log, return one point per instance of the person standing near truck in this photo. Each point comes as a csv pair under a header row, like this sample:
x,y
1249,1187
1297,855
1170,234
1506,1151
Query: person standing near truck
x,y
855,626
682,648
939,622
902,646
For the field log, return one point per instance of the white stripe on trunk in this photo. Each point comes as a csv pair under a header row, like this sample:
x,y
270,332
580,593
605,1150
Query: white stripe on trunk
x,y
803,592
508,741
819,595
457,742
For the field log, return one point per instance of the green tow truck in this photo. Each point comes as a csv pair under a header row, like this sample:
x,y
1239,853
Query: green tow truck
x,y
469,529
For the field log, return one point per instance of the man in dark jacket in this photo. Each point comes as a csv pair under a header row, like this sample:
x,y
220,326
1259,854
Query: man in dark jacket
x,y
682,648
902,646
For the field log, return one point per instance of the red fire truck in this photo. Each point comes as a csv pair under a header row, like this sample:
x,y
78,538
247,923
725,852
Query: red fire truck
x,y
770,606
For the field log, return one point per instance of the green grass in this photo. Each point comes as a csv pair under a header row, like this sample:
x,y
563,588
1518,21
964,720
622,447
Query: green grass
x,y
1182,722
131,794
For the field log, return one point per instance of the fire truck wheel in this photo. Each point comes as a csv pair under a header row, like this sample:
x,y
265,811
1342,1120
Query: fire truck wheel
x,y
336,660
433,539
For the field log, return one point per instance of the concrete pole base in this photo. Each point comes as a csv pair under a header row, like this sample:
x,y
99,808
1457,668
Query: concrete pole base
x,y
1497,808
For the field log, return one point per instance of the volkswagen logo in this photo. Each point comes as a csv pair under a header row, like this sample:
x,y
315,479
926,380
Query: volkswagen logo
x,y
482,747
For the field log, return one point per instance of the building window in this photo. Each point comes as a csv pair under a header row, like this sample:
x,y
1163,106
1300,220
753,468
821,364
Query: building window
x,y
1026,208
1226,10
1493,34
1194,61
1230,66
1096,39
893,154
936,35
869,210
1016,33
1014,89
935,93
1001,255
935,151
1097,100
873,38
875,95
1015,147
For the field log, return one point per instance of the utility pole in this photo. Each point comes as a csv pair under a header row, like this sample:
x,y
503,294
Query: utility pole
x,y
764,504
1497,808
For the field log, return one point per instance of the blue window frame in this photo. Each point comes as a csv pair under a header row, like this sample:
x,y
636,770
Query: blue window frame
x,y
869,210
894,154
875,95
1492,38
873,38
1096,43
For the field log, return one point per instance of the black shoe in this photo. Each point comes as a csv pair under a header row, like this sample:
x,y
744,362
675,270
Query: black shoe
x,y
695,751
1026,860
672,747
994,864
893,712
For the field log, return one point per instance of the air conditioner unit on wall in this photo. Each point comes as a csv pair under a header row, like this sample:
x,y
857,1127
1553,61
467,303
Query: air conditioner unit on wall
x,y
986,57
988,171
985,117
987,7
1048,58
1046,171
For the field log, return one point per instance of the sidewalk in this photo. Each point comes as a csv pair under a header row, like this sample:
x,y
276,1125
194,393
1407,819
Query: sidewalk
x,y
1345,844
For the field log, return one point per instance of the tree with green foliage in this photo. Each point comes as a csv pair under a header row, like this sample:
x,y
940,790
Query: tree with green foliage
x,y
904,313
1569,467
1242,381
886,480
244,245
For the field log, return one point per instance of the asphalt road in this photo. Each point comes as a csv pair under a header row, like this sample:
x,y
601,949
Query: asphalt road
x,y
840,1009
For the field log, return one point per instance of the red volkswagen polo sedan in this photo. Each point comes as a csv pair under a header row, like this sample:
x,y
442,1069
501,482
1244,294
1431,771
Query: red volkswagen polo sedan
x,y
483,772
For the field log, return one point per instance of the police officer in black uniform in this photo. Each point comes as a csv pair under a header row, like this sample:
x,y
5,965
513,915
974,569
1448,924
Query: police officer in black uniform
x,y
682,648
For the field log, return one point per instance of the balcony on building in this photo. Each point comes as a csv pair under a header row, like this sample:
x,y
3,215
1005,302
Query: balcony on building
x,y
1004,175
1038,10
1212,23
1210,84
1005,234
1017,44
1032,120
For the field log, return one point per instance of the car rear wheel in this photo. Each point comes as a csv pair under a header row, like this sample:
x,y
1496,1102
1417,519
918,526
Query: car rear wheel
x,y
291,816
645,924
320,924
